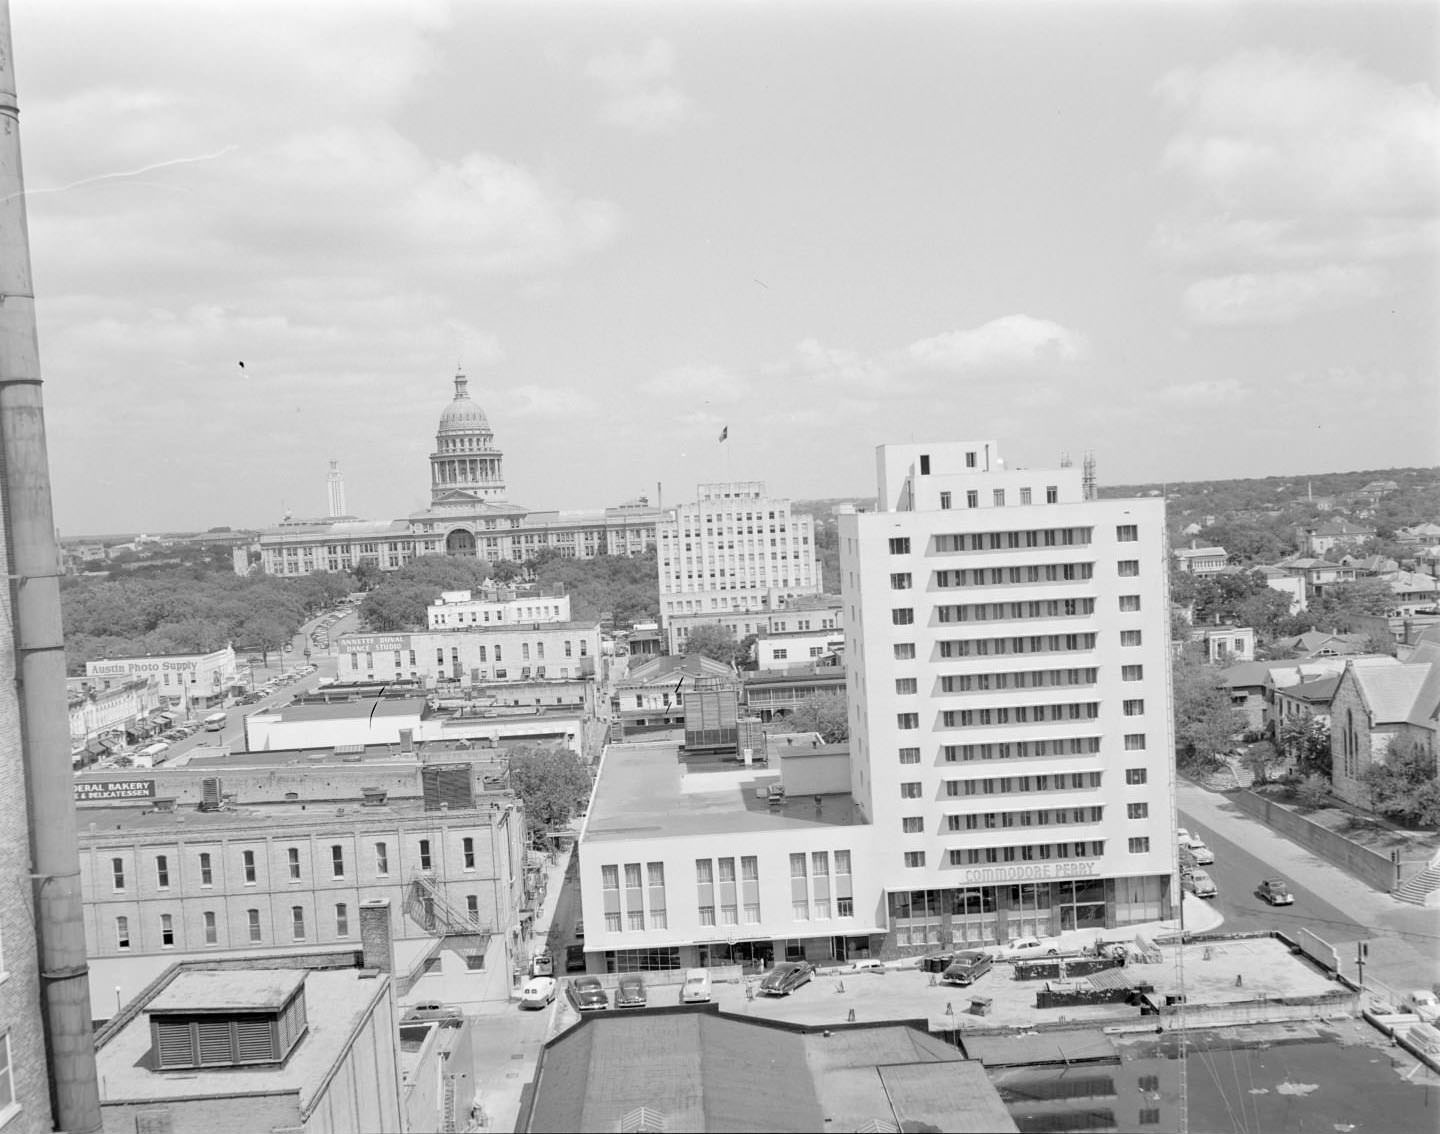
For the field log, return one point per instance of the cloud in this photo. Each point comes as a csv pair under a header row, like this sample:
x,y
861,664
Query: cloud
x,y
1204,393
1280,297
1008,341
1309,164
546,402
703,381
638,94
839,366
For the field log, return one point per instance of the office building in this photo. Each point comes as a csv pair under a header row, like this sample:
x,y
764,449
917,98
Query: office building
x,y
1007,649
734,549
187,682
468,514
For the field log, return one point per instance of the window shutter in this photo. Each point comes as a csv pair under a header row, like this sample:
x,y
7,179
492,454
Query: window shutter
x,y
255,1040
174,1044
214,1041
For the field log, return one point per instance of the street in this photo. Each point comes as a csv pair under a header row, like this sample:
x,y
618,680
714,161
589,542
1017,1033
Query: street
x,y
1404,939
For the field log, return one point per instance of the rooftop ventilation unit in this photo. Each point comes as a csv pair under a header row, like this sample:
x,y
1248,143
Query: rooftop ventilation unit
x,y
211,798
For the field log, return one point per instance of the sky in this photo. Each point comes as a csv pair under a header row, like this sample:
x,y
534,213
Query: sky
x,y
1196,239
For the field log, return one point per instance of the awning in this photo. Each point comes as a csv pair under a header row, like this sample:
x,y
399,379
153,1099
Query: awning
x,y
168,718
97,747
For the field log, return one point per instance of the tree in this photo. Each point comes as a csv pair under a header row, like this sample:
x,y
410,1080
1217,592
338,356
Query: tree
x,y
265,633
712,640
551,783
1205,722
1339,605
825,713
1312,792
1404,787
1306,740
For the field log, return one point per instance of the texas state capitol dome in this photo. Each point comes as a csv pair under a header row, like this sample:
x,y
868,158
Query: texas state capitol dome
x,y
468,514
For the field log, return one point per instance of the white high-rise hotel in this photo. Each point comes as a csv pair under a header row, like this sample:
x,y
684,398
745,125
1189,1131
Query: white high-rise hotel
x,y
1010,726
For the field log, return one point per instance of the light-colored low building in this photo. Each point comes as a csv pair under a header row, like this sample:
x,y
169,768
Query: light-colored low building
x,y
186,681
475,655
1201,560
798,614
683,865
782,651
1226,645
246,1047
496,606
119,711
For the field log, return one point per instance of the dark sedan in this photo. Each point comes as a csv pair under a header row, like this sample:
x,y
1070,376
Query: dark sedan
x,y
785,978
588,993
630,992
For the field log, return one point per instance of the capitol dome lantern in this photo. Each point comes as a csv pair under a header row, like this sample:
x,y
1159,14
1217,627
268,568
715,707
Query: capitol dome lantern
x,y
465,465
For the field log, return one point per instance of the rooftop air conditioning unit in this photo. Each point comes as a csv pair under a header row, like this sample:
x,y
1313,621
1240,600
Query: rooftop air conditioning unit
x,y
211,798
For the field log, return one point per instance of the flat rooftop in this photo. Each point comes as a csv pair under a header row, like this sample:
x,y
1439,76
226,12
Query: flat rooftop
x,y
337,1000
227,990
106,820
646,790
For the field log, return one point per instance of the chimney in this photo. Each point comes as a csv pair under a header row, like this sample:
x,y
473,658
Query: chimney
x,y
375,941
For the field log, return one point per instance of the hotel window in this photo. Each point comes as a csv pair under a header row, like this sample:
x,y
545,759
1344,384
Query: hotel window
x,y
207,877
909,755
904,685
1130,637
210,931
1127,533
247,864
472,908
1024,496
1129,568
294,853
707,917
610,877
972,499
167,931
252,917
904,651
1135,776
900,546
945,501
1129,602
914,858
382,859
425,854
911,790
1052,494
797,865
1140,844
1137,810
342,920
122,933
337,861
297,922
467,850
999,497
704,872
907,720
162,872
912,825
900,582
1134,742
117,873
902,616
1134,708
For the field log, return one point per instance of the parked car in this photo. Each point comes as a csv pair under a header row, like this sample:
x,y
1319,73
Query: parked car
x,y
968,967
696,989
1204,856
1182,836
575,958
786,977
538,992
1423,1003
542,964
580,931
431,1010
1276,892
587,994
1202,885
1025,948
630,991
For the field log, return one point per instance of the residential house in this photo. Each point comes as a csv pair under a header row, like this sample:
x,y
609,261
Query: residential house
x,y
1310,698
1317,573
1327,536
1422,535
1413,593
1321,644
1201,560
1285,583
1381,706
1225,645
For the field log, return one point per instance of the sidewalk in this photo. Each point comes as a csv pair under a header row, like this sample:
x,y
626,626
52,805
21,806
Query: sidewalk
x,y
1405,946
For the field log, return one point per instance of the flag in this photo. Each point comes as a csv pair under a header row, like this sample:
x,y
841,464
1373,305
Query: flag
x,y
724,433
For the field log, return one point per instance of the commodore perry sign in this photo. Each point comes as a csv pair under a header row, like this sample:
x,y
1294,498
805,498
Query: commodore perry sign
x,y
1036,870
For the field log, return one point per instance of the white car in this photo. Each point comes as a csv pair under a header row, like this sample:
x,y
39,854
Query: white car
x,y
1204,856
1026,948
1182,836
538,992
1424,1004
696,989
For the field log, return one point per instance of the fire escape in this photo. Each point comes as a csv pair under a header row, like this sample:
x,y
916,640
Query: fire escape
x,y
427,906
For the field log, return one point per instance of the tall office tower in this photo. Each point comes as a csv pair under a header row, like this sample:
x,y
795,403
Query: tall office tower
x,y
735,549
1010,719
336,485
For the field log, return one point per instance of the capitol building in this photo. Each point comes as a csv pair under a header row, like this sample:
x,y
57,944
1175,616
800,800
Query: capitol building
x,y
468,515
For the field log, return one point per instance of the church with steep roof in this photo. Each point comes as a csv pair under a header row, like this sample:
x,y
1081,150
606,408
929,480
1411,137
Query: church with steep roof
x,y
468,515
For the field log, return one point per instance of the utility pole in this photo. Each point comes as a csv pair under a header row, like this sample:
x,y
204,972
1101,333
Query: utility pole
x,y
32,562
